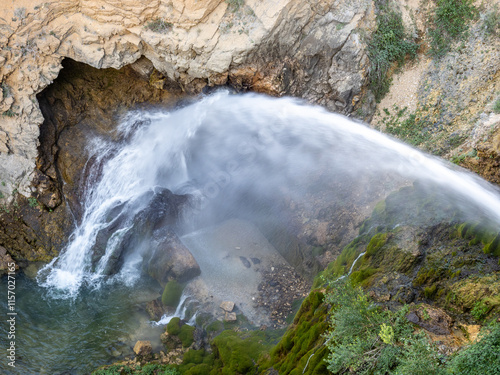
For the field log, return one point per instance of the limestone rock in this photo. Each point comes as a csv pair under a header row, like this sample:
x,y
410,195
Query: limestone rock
x,y
227,306
279,47
143,349
230,317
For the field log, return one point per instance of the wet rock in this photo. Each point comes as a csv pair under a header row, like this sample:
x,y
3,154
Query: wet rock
x,y
432,319
230,317
172,260
255,260
227,306
171,342
245,262
5,260
154,309
143,350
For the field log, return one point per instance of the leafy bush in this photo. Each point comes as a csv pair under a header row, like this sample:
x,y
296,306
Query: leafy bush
x,y
365,339
33,202
147,369
479,358
449,22
412,129
390,44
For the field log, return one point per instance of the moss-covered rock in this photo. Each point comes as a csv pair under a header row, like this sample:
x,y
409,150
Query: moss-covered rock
x,y
172,294
303,339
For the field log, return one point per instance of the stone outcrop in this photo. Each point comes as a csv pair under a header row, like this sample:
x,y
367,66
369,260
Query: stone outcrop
x,y
312,50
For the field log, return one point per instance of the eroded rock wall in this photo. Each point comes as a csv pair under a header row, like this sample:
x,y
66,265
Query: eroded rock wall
x,y
308,49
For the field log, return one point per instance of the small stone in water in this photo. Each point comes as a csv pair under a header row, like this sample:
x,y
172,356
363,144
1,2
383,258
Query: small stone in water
x,y
245,262
227,306
255,260
230,317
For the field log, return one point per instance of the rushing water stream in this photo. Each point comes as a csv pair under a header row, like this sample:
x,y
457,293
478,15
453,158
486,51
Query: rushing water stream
x,y
236,156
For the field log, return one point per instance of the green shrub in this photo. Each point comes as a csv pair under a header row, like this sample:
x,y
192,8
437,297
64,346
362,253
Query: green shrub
x,y
390,44
147,369
361,342
411,130
33,202
480,310
449,22
481,357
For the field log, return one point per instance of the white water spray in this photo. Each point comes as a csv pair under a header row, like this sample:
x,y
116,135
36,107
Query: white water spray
x,y
247,143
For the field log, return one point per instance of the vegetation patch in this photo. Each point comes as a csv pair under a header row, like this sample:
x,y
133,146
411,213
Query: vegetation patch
x,y
147,369
496,106
390,44
302,350
481,357
492,22
159,25
235,5
366,339
413,128
172,294
449,22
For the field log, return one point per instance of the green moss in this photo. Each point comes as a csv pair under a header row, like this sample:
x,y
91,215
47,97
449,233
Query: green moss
x,y
172,294
186,335
359,276
174,326
479,295
303,338
493,247
343,262
376,243
429,292
379,208
214,326
239,352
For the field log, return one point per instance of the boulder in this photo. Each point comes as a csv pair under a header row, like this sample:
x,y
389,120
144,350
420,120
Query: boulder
x,y
172,260
143,349
432,319
227,306
230,317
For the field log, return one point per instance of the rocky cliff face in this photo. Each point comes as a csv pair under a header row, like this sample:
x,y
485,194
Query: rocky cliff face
x,y
313,50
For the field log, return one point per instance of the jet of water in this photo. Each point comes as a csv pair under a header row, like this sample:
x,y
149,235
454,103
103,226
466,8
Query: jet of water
x,y
234,154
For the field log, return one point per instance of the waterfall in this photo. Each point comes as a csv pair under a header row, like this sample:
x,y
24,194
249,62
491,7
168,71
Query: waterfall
x,y
226,151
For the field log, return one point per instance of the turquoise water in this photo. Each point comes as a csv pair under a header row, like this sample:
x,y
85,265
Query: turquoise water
x,y
61,336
